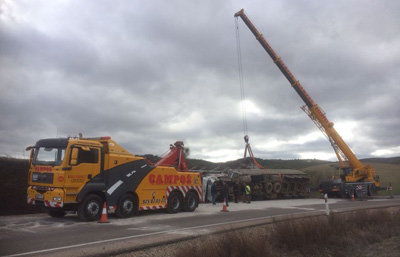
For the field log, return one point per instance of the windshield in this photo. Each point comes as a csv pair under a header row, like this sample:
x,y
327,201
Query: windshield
x,y
49,156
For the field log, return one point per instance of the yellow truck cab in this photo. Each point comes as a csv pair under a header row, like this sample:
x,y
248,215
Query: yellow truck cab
x,y
81,174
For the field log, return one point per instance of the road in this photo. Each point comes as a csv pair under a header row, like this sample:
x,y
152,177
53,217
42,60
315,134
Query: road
x,y
41,235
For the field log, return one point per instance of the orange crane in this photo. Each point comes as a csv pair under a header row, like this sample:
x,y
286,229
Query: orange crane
x,y
356,178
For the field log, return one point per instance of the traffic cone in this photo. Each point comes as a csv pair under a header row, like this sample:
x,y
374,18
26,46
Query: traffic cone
x,y
104,218
224,208
352,197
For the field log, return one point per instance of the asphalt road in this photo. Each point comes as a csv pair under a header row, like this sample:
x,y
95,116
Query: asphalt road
x,y
41,235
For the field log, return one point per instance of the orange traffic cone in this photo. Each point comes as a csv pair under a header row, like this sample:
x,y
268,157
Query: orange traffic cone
x,y
352,197
224,208
104,218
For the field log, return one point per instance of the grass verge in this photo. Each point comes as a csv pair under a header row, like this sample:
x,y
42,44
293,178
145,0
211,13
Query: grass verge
x,y
342,234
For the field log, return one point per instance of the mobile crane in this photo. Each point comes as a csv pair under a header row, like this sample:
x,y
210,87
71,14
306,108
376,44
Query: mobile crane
x,y
355,177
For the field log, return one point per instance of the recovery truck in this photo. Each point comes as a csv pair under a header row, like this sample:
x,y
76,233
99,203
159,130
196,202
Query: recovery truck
x,y
81,174
355,178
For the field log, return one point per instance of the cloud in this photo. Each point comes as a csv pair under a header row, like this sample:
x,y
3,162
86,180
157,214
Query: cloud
x,y
148,74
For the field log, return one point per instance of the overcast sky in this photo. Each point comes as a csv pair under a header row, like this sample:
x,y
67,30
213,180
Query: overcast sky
x,y
148,73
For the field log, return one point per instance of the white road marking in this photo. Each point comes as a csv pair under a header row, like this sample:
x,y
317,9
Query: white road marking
x,y
298,208
115,186
152,234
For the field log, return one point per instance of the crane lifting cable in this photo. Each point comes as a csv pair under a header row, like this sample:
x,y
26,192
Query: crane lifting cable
x,y
241,81
243,99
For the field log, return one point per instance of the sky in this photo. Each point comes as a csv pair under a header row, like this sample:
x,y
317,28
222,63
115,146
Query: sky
x,y
149,73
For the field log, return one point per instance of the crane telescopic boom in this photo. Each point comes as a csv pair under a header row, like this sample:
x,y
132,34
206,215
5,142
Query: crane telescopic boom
x,y
357,171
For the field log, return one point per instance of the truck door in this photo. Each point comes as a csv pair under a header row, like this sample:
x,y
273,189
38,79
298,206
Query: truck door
x,y
85,165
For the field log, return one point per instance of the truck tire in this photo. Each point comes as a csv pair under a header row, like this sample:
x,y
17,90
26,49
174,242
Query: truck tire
x,y
91,208
277,187
298,187
56,213
127,206
174,203
291,188
191,202
269,187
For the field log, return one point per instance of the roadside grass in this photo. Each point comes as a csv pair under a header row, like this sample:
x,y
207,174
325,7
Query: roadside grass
x,y
337,235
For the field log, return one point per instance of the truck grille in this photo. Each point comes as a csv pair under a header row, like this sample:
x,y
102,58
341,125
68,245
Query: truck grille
x,y
42,177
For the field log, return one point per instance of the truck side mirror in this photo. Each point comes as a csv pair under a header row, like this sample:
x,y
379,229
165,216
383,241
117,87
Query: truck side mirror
x,y
74,156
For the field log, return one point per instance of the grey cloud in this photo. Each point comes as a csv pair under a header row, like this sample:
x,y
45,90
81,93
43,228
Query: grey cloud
x,y
148,74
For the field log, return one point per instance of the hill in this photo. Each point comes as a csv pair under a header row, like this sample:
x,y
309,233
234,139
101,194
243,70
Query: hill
x,y
390,160
275,163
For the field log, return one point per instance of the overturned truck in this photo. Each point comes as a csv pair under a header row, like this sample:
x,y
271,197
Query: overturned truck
x,y
264,183
273,183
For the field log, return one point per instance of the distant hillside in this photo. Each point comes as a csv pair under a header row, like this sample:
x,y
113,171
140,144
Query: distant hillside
x,y
193,164
390,160
275,163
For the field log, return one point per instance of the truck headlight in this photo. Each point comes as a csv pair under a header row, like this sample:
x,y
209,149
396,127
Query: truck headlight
x,y
57,199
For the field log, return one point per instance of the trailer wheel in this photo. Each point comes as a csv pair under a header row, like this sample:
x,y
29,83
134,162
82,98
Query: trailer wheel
x,y
91,208
56,213
174,203
191,202
277,187
127,206
291,188
298,188
269,187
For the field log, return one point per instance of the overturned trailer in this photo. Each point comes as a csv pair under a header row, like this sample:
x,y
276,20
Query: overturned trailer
x,y
264,183
273,183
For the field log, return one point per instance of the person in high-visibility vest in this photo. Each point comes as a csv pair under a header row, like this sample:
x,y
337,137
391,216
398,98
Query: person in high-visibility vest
x,y
389,188
248,193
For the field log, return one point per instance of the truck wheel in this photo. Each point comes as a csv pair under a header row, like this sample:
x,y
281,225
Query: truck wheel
x,y
298,187
269,187
191,202
277,187
56,213
127,206
291,188
174,203
91,208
